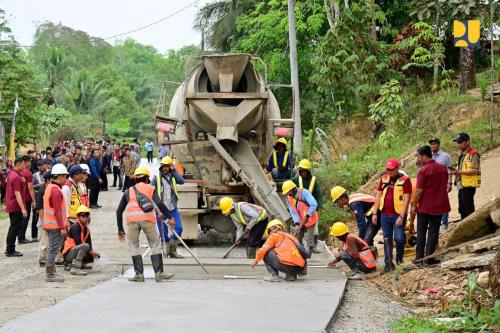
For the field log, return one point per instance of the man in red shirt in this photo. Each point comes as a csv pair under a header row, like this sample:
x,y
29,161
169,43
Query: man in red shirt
x,y
430,202
28,194
393,198
15,206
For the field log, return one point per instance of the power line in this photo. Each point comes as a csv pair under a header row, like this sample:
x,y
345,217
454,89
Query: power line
x,y
155,22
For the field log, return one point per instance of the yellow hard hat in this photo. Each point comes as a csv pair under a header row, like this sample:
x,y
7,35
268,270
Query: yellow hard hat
x,y
82,209
282,140
166,160
305,164
226,204
339,229
274,223
141,171
336,192
288,186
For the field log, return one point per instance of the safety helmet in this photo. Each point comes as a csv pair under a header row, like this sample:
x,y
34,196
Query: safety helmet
x,y
287,186
274,223
412,240
226,204
59,169
338,229
166,160
85,168
82,209
337,192
281,140
141,171
305,164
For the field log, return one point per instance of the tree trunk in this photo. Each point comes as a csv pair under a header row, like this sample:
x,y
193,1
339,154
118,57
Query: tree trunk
x,y
435,76
467,67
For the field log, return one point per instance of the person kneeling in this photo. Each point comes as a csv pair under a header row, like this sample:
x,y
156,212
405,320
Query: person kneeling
x,y
355,252
281,252
77,250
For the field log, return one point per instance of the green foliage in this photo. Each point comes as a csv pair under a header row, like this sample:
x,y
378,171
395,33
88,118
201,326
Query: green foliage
x,y
388,110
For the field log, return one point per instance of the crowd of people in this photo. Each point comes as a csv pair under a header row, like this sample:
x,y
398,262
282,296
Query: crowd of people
x,y
59,186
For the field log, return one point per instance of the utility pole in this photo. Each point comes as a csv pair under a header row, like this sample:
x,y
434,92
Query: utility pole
x,y
294,71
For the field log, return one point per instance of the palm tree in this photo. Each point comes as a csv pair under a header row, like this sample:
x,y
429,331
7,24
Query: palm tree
x,y
217,22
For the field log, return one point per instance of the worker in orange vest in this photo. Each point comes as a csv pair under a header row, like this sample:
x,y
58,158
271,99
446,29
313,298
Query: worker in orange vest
x,y
302,207
355,252
78,250
360,206
281,252
139,202
54,219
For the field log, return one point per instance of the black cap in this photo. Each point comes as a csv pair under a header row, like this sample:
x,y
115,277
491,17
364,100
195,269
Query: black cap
x,y
461,137
434,140
43,161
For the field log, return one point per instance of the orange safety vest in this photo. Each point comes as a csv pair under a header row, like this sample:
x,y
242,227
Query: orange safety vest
x,y
398,192
300,207
134,211
361,197
49,217
70,242
311,184
285,248
365,255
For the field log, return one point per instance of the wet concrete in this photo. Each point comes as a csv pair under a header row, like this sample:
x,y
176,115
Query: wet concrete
x,y
194,302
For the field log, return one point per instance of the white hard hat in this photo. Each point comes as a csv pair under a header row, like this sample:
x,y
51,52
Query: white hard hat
x,y
85,168
59,169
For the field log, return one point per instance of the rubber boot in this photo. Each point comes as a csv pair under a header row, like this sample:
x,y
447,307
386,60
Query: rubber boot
x,y
290,277
310,251
315,249
157,261
52,276
76,268
251,252
138,268
172,249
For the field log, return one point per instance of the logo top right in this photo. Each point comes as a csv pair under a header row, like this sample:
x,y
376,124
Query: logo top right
x,y
466,33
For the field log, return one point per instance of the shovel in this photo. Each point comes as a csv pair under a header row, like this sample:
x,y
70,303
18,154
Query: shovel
x,y
229,251
187,248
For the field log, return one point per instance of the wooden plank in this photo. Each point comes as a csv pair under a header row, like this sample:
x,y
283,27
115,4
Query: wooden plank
x,y
218,95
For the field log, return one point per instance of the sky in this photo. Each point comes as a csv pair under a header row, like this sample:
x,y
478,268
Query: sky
x,y
105,18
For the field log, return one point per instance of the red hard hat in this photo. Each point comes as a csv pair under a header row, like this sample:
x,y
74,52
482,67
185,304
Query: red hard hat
x,y
392,163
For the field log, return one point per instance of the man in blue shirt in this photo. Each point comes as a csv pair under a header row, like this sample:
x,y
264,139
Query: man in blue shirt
x,y
442,158
281,162
95,180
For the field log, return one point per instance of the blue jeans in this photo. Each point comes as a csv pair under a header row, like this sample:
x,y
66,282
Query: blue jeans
x,y
164,229
444,219
392,232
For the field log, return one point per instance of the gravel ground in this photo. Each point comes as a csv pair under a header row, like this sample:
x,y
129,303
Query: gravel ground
x,y
366,309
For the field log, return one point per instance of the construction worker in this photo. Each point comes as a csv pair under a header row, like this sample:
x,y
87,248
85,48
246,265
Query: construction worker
x,y
360,206
54,219
165,184
139,201
281,162
250,220
393,199
305,179
356,253
77,250
467,175
302,207
71,191
281,252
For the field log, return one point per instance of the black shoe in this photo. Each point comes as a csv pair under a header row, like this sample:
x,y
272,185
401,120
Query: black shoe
x,y
13,254
99,206
41,263
104,190
119,188
431,262
24,241
113,186
387,269
94,207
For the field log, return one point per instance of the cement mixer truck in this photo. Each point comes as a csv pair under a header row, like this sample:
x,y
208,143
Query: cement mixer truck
x,y
222,123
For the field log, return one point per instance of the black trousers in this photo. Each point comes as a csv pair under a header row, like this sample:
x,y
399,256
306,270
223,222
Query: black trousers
x,y
24,225
94,189
256,233
427,234
16,221
372,229
149,155
274,266
34,221
117,175
104,177
127,183
466,201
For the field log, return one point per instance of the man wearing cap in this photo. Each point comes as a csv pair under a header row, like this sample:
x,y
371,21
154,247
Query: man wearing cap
x,y
467,175
360,206
71,191
443,158
281,162
165,184
393,199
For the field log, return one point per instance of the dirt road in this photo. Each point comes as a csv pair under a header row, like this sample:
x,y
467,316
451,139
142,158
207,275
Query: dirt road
x,y
22,281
